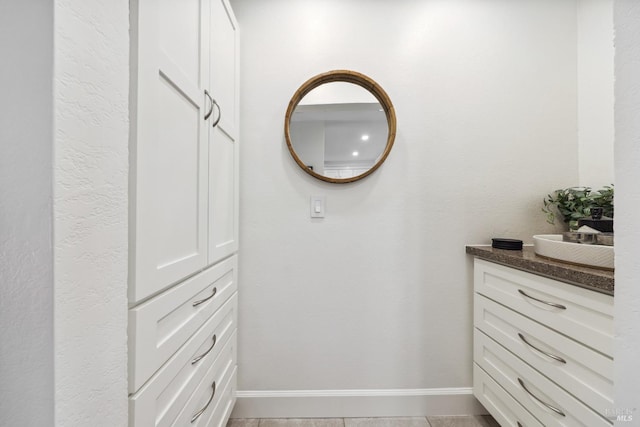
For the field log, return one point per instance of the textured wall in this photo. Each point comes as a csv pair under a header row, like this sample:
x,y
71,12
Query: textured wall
x,y
377,295
26,264
90,211
595,92
627,159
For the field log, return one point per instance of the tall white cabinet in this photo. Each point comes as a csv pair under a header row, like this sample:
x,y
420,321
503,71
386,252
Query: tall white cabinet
x,y
183,212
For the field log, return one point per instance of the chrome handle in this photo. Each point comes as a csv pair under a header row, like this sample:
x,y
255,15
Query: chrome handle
x,y
549,355
197,303
553,408
552,304
201,411
206,116
199,358
219,112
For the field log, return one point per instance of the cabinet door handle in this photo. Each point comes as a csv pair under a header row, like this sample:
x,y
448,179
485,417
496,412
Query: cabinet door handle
x,y
518,422
545,404
215,123
197,303
552,304
206,116
199,358
201,411
549,355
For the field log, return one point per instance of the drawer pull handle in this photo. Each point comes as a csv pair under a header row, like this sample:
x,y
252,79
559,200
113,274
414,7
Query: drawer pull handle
x,y
199,358
201,411
197,303
553,408
208,114
549,355
216,121
552,304
518,422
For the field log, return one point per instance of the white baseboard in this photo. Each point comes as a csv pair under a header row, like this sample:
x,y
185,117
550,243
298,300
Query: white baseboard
x,y
356,403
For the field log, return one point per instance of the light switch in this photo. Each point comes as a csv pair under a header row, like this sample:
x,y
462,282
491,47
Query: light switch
x,y
317,206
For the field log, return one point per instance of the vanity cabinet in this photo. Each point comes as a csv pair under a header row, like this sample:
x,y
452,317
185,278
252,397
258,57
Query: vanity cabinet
x,y
183,221
543,349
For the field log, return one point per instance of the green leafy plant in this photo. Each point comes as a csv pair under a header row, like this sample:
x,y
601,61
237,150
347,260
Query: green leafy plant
x,y
576,202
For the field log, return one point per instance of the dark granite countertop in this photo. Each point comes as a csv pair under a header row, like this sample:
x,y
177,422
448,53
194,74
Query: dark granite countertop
x,y
526,260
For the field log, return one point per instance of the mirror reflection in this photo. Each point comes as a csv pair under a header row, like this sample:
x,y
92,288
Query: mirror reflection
x,y
340,126
339,130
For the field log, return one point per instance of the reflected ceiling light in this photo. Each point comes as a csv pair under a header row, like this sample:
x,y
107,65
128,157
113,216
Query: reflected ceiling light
x,y
355,154
365,137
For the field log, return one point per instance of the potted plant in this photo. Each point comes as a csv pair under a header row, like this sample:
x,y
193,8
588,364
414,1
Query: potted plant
x,y
576,202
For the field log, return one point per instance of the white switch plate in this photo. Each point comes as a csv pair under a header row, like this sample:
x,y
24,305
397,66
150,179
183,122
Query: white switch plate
x,y
317,206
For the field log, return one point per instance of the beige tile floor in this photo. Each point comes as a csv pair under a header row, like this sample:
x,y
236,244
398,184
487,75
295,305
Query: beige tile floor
x,y
435,421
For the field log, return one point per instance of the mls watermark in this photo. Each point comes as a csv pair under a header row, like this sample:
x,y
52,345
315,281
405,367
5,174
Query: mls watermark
x,y
619,414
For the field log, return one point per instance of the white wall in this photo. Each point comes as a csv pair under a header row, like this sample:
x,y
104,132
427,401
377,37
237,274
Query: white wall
x,y
377,296
91,79
26,264
595,92
627,159
338,93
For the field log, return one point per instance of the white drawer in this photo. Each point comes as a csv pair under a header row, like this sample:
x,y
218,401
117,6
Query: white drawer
x,y
504,408
214,390
158,327
176,389
535,392
584,315
587,373
221,413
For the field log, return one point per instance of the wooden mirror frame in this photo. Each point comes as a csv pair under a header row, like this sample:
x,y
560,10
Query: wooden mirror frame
x,y
349,77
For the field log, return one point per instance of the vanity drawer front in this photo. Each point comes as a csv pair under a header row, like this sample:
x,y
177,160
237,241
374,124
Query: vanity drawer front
x,y
582,314
176,390
504,408
586,372
158,327
536,393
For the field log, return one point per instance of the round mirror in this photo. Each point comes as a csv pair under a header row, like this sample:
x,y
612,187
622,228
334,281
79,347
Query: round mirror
x,y
340,126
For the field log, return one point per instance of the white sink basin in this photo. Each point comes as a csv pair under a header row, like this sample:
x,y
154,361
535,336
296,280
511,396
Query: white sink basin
x,y
552,246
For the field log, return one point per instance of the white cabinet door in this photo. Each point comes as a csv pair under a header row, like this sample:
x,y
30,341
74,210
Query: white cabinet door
x,y
169,150
223,143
